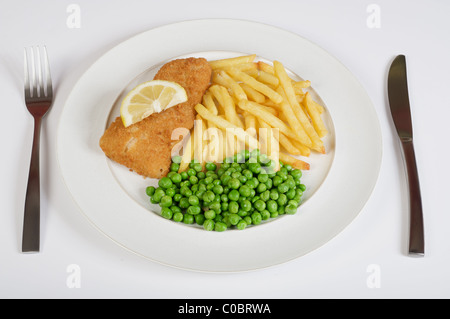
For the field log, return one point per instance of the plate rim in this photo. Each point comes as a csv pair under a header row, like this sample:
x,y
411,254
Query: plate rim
x,y
202,21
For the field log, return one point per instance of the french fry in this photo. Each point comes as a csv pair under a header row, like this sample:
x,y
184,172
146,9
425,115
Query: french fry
x,y
252,94
223,63
268,78
252,72
223,97
188,153
315,116
198,139
258,86
235,88
222,123
283,140
304,151
300,85
263,66
250,124
243,66
318,106
286,84
293,121
294,162
208,101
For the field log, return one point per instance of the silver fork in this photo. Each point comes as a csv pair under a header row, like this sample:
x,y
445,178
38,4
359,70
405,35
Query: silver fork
x,y
38,99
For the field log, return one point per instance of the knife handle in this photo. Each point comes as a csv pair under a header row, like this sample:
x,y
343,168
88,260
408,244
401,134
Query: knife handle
x,y
416,231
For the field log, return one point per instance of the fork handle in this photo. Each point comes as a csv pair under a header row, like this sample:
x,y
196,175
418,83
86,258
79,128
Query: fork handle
x,y
31,221
416,231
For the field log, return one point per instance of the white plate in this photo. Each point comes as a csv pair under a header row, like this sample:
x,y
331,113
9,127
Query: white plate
x,y
114,200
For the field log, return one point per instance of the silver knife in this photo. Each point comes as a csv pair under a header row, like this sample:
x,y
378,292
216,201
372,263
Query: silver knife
x,y
401,114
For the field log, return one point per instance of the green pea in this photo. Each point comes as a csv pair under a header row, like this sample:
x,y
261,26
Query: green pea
x,y
283,188
175,209
241,225
242,213
210,166
265,214
234,183
234,219
302,187
170,192
198,167
260,205
166,201
208,225
185,191
245,190
263,177
272,206
184,203
255,198
256,218
224,206
193,200
216,206
291,209
150,190
218,189
261,188
265,196
292,203
165,182
233,207
166,213
176,159
176,178
194,188
282,200
246,205
296,173
178,217
193,179
274,194
291,193
199,219
233,195
191,172
208,196
188,218
210,214
220,226
174,167
277,180
220,172
184,175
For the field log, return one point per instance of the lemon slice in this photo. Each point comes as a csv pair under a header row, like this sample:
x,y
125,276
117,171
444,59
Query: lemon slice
x,y
150,97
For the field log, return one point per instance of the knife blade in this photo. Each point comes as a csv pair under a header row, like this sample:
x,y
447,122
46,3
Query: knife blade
x,y
401,114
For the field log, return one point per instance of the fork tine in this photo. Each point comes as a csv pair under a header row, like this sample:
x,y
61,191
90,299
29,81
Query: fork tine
x,y
47,72
39,71
33,74
26,74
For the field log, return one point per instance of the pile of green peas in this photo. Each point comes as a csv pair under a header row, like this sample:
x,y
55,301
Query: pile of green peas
x,y
244,190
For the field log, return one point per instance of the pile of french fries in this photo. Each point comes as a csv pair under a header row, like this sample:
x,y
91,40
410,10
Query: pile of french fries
x,y
252,104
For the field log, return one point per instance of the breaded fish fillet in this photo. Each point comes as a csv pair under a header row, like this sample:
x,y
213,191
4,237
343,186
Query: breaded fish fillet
x,y
145,147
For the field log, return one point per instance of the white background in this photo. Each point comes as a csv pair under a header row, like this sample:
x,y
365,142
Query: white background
x,y
343,268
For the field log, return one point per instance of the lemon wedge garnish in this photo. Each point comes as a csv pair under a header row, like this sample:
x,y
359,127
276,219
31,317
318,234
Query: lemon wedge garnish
x,y
150,97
